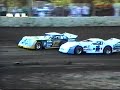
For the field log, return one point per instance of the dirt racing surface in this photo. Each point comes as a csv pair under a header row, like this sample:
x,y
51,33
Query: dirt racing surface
x,y
48,69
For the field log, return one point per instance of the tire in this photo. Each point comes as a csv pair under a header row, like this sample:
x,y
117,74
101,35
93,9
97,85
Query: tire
x,y
38,46
78,50
107,50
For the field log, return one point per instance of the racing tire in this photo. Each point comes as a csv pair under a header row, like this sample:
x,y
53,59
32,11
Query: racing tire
x,y
38,46
107,50
78,50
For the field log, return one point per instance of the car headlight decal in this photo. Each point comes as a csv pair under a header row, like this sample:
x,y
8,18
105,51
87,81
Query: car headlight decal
x,y
28,42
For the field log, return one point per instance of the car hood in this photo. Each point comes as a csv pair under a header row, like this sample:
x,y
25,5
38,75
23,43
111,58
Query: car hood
x,y
69,44
82,43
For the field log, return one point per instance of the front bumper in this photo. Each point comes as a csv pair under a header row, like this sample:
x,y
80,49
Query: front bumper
x,y
67,50
63,50
26,47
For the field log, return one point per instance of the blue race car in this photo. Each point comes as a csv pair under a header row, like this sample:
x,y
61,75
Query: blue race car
x,y
49,40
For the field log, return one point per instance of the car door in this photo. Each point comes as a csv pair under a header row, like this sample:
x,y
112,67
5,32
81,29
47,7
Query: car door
x,y
56,41
97,46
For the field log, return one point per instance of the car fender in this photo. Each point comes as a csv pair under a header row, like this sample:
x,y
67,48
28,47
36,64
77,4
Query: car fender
x,y
71,49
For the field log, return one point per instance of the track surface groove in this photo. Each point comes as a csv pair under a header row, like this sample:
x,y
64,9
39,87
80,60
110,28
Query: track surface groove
x,y
29,69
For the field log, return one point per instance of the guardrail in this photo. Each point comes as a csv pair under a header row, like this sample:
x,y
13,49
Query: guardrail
x,y
59,21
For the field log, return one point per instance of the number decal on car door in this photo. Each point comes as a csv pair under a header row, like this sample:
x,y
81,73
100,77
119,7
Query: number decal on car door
x,y
56,43
97,48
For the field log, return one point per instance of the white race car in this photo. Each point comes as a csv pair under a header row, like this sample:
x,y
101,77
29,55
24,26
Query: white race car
x,y
91,45
49,40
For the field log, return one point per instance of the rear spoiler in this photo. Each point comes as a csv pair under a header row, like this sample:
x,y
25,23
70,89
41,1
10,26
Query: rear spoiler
x,y
69,35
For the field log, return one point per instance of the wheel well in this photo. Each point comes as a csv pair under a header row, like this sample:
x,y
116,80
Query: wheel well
x,y
108,46
78,46
38,41
41,41
62,42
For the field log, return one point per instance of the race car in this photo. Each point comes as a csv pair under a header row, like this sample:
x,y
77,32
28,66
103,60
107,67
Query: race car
x,y
91,45
49,40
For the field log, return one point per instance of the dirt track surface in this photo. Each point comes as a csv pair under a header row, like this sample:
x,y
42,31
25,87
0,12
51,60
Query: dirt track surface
x,y
30,69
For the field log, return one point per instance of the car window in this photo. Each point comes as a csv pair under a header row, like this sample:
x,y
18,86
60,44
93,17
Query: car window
x,y
98,43
118,43
62,37
57,37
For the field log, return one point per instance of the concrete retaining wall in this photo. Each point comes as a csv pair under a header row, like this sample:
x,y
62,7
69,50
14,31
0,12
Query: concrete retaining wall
x,y
58,21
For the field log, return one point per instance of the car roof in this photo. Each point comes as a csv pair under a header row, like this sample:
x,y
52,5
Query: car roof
x,y
53,33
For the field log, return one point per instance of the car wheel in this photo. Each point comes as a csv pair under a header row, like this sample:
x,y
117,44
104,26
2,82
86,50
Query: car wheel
x,y
107,50
78,50
38,46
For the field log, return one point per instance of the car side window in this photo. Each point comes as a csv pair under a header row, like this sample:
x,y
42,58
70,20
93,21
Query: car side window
x,y
98,43
62,37
56,37
118,43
